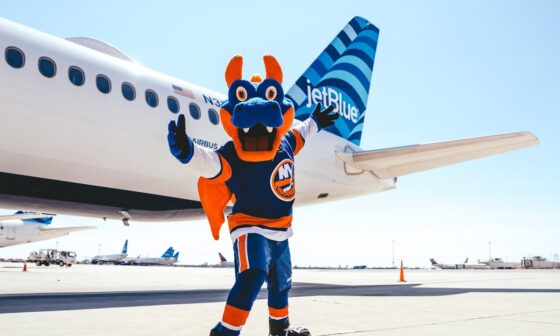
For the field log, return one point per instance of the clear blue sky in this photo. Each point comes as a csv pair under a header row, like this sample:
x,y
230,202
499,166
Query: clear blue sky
x,y
444,70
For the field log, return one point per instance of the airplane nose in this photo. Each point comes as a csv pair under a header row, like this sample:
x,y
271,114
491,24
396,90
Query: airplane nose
x,y
256,110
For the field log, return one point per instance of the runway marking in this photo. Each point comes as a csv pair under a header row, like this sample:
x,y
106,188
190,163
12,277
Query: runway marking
x,y
500,316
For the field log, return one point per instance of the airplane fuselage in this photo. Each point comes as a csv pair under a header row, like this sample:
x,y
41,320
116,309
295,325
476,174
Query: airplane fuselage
x,y
109,258
73,149
155,261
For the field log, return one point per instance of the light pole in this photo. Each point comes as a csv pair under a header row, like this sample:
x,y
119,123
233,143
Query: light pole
x,y
393,250
489,250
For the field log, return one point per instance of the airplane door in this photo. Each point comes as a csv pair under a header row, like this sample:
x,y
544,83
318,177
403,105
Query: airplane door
x,y
10,232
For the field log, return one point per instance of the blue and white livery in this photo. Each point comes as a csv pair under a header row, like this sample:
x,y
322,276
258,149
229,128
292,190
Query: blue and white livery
x,y
340,76
106,156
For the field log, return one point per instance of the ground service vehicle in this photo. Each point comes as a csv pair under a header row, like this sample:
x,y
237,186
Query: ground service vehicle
x,y
52,256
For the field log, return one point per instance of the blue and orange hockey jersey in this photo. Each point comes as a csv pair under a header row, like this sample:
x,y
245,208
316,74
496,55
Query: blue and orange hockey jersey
x,y
262,193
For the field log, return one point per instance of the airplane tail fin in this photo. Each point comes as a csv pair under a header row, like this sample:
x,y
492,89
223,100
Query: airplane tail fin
x,y
176,256
222,258
125,247
340,76
466,260
168,253
433,261
41,220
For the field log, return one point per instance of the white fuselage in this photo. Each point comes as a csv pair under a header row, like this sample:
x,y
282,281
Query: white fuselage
x,y
462,266
154,261
109,258
96,154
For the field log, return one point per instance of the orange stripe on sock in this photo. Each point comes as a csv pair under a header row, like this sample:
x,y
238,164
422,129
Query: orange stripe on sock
x,y
278,313
234,316
242,250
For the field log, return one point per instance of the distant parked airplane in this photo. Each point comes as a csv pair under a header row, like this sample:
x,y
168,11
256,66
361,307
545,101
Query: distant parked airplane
x,y
464,265
167,258
111,258
224,262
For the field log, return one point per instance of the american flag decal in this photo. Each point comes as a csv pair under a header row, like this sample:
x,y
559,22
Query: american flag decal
x,y
183,92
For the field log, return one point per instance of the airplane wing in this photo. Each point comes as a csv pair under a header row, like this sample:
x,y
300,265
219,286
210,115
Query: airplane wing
x,y
63,230
392,162
25,216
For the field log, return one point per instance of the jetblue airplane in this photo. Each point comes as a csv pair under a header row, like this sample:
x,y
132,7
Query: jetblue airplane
x,y
112,258
26,227
84,129
167,258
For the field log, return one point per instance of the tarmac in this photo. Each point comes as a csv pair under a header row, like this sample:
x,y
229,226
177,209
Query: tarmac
x,y
135,300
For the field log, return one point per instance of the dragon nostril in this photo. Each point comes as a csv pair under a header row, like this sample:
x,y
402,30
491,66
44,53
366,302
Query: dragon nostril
x,y
238,108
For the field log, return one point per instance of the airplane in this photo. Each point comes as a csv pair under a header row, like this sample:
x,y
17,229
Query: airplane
x,y
167,258
106,155
224,262
112,258
176,256
464,265
26,227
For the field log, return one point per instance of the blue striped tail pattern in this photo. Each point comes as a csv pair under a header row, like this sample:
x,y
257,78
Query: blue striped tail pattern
x,y
340,76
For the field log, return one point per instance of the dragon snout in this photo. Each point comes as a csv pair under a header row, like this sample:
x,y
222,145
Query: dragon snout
x,y
257,111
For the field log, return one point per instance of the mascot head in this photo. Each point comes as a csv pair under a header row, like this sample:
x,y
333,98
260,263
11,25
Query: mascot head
x,y
256,115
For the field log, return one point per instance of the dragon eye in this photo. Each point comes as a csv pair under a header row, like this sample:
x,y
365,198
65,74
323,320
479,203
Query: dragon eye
x,y
271,93
241,93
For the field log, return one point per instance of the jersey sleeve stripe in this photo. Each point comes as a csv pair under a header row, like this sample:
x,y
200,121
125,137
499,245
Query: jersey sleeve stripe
x,y
299,140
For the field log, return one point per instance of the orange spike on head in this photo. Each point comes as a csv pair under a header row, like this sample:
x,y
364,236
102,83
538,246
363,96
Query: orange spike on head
x,y
273,69
234,70
256,78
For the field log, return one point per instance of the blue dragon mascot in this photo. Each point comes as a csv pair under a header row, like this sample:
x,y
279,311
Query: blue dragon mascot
x,y
255,172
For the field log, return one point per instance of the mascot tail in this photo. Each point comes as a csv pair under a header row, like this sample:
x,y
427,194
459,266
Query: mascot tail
x,y
340,76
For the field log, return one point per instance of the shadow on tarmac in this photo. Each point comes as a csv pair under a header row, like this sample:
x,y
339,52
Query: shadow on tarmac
x,y
40,302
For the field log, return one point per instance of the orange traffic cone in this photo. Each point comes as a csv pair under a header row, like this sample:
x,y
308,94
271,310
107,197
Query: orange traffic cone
x,y
25,267
401,277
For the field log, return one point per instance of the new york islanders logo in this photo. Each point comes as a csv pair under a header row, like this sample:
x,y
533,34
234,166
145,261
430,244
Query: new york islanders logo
x,y
282,180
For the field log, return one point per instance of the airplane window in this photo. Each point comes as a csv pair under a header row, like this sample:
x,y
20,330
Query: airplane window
x,y
194,110
213,116
76,75
151,98
47,67
173,104
103,83
128,91
15,57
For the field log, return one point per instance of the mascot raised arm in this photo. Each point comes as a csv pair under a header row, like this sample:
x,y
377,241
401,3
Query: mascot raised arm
x,y
255,171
